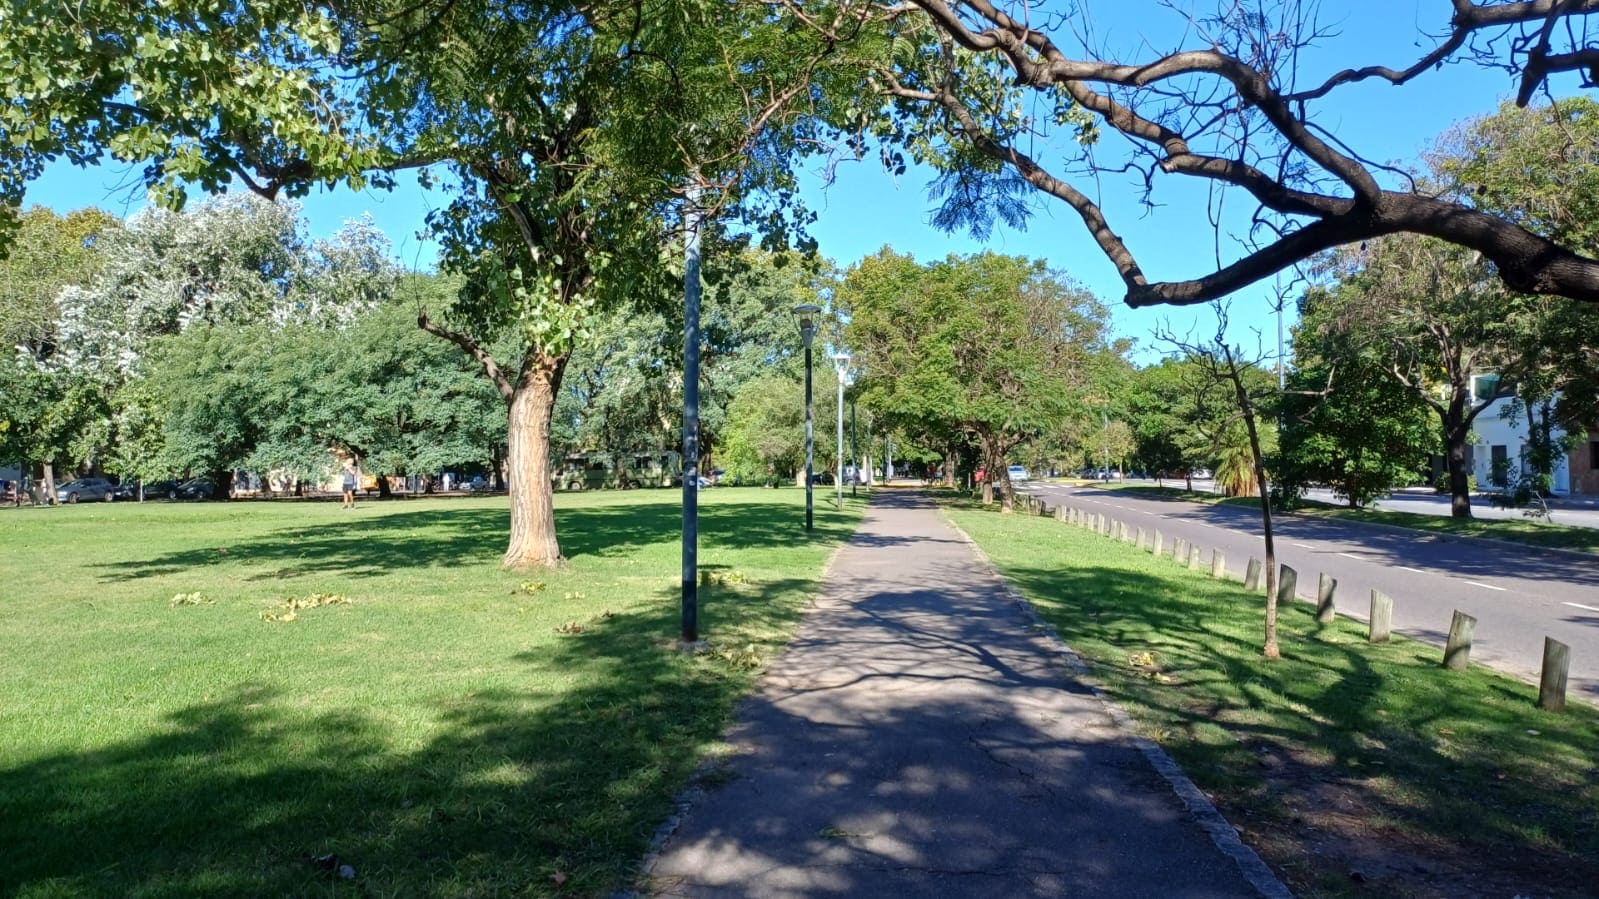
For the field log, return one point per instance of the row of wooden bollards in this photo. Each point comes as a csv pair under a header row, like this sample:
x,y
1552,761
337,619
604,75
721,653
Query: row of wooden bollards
x,y
1457,648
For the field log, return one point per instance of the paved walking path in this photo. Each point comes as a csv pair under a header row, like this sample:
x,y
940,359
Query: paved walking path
x,y
918,738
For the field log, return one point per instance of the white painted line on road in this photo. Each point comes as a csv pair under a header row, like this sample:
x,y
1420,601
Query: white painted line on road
x,y
1304,546
1352,556
1485,586
1578,605
1412,570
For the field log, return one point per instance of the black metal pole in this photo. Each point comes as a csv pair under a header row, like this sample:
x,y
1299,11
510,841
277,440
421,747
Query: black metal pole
x,y
854,448
692,217
809,438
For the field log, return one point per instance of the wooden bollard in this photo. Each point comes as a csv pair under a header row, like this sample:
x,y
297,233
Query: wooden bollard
x,y
1252,575
1060,513
1193,557
1287,584
1457,651
1180,551
1139,538
1382,617
1324,598
1552,684
1160,542
1218,564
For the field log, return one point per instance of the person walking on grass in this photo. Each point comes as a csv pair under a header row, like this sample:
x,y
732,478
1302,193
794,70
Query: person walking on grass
x,y
352,476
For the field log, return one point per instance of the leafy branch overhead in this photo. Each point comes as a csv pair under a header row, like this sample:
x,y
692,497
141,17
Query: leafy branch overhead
x,y
1004,99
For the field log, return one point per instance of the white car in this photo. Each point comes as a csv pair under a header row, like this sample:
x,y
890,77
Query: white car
x,y
1017,473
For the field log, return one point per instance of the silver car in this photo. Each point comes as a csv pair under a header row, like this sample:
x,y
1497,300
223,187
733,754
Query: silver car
x,y
86,489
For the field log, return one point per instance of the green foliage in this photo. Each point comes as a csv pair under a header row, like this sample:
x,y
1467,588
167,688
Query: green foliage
x,y
993,349
279,399
200,93
1174,408
766,435
1361,432
1537,167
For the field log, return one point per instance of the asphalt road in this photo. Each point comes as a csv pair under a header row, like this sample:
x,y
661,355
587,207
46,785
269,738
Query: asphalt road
x,y
1518,594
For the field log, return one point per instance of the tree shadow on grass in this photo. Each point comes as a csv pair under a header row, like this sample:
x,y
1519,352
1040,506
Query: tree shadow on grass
x,y
1384,736
432,538
517,791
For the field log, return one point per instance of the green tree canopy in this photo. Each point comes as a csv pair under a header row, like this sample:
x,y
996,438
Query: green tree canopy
x,y
995,348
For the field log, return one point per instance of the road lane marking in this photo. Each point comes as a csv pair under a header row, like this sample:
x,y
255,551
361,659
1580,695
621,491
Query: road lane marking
x,y
1352,556
1578,605
1304,546
1413,570
1485,586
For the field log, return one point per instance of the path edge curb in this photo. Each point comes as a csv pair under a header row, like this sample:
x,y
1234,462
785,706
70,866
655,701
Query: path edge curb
x,y
1205,814
692,794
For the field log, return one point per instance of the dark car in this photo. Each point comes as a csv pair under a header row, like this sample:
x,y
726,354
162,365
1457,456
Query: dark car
x,y
86,489
159,490
822,477
197,488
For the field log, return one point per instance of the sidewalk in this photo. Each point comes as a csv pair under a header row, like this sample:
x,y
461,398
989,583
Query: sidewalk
x,y
919,739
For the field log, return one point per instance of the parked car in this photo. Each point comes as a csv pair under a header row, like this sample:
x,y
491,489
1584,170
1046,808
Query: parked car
x,y
86,489
159,490
822,477
195,488
1017,473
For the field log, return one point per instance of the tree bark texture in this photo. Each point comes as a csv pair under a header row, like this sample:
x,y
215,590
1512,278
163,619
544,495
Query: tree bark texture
x,y
533,542
1459,475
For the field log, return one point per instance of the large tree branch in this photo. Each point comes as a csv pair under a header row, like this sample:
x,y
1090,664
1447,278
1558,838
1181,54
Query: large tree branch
x,y
473,349
1524,261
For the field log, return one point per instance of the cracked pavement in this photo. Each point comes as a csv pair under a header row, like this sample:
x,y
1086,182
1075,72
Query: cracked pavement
x,y
919,738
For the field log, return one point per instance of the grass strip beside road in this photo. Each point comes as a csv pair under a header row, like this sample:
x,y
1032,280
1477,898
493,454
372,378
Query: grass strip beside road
x,y
1349,766
240,698
1526,531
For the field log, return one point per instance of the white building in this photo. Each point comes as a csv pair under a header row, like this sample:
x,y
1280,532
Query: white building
x,y
1501,434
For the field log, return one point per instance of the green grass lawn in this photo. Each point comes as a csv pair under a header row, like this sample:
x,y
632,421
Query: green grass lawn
x,y
1525,530
1341,749
443,727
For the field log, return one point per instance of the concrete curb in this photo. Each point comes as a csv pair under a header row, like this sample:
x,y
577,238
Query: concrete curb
x,y
1221,833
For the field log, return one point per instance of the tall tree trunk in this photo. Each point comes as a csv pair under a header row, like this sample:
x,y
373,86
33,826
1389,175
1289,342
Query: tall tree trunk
x,y
532,405
383,487
1455,435
49,484
950,461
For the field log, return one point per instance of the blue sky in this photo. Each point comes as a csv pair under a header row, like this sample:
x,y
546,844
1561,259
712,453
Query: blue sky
x,y
865,208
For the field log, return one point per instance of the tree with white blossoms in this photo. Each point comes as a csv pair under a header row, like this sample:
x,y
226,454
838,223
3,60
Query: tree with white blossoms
x,y
230,260
227,262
